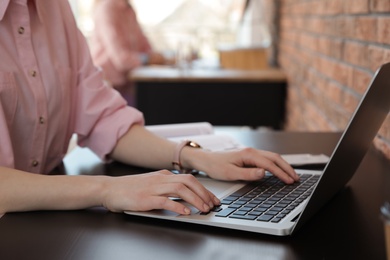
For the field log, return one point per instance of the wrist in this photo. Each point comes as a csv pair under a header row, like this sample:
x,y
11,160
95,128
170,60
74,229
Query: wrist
x,y
193,158
179,163
102,190
96,191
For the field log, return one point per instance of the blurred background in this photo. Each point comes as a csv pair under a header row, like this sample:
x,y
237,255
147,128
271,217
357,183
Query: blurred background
x,y
206,26
328,50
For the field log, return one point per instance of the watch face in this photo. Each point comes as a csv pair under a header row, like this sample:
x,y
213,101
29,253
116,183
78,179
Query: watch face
x,y
193,144
176,160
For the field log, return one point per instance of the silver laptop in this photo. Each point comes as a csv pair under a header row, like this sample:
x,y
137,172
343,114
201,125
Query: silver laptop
x,y
271,207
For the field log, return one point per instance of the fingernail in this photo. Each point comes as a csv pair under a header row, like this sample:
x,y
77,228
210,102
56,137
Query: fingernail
x,y
187,211
260,173
211,204
206,207
216,201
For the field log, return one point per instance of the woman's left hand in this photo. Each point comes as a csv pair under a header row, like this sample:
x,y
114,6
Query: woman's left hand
x,y
246,164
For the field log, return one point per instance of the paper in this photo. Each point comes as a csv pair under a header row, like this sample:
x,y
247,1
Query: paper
x,y
212,142
186,129
201,132
305,159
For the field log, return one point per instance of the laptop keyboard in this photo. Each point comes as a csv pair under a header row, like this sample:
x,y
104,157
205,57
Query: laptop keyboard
x,y
268,200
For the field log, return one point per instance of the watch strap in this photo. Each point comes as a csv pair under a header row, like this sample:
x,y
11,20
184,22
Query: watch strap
x,y
176,163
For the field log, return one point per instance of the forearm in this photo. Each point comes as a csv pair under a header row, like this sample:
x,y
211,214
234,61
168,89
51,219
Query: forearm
x,y
22,191
140,147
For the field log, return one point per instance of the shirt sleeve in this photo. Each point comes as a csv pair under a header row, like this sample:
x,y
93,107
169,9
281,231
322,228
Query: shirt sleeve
x,y
101,115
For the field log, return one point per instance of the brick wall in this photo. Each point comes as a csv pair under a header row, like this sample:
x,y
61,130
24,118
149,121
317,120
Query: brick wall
x,y
329,50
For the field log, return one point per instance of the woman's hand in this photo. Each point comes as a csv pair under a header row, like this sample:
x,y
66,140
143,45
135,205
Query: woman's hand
x,y
149,191
245,164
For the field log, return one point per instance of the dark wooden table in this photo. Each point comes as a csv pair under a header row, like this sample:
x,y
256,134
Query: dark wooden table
x,y
348,227
219,96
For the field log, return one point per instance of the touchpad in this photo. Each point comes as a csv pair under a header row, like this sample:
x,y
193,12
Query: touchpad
x,y
219,188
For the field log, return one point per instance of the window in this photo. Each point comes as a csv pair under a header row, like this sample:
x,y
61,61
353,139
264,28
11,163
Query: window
x,y
203,24
82,10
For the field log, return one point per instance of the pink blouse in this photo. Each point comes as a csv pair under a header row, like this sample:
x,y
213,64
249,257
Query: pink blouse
x,y
50,89
118,40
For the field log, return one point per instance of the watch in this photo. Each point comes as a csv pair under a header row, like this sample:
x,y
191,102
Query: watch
x,y
176,160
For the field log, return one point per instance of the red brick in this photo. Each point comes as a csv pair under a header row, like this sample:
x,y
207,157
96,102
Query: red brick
x,y
360,81
345,27
315,25
380,5
330,7
365,28
306,41
326,66
329,27
314,119
383,35
330,47
295,110
356,6
349,102
377,57
313,7
341,72
339,119
333,92
355,53
330,54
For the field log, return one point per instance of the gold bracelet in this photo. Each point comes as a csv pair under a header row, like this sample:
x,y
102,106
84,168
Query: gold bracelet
x,y
176,159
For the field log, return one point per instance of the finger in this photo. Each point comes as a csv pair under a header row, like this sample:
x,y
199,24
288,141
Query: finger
x,y
159,202
180,190
196,187
162,172
278,172
192,183
280,163
270,162
251,174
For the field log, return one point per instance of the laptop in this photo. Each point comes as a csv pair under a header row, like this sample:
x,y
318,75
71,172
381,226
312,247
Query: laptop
x,y
270,207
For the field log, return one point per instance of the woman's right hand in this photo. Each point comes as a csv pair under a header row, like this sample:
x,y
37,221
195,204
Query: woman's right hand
x,y
153,190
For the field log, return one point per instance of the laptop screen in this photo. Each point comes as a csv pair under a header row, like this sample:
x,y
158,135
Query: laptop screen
x,y
354,143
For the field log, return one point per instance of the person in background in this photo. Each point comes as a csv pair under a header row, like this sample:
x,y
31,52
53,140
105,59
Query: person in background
x,y
50,89
119,45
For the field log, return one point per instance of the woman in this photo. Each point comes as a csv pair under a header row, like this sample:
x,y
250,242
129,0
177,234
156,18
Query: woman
x,y
118,44
49,89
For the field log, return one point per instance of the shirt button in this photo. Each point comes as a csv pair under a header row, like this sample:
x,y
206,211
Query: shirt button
x,y
21,30
33,73
34,163
41,120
